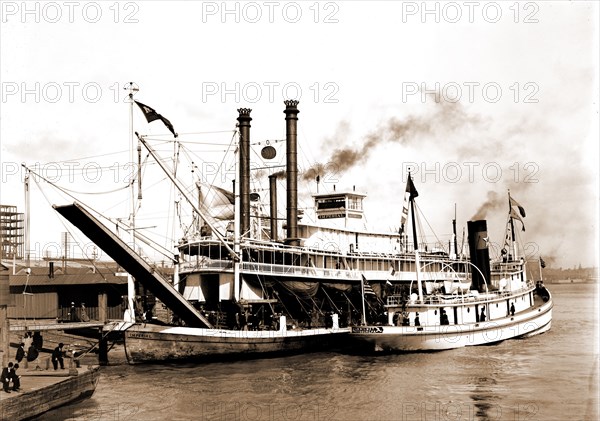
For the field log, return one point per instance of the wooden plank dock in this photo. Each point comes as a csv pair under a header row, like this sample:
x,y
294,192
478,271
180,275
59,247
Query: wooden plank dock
x,y
43,390
32,325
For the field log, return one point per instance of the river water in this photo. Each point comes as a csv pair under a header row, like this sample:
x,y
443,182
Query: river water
x,y
547,377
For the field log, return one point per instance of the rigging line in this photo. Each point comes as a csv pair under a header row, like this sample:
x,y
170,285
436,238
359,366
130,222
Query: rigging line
x,y
61,220
53,185
331,301
211,184
256,180
297,297
229,147
262,286
64,189
421,231
429,225
173,211
142,174
189,154
220,144
280,301
267,142
316,305
96,193
350,301
188,134
86,157
69,230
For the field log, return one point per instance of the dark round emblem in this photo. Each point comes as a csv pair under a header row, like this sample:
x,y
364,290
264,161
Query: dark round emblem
x,y
268,152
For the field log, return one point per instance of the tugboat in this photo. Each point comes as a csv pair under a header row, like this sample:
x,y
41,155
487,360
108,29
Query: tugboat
x,y
499,303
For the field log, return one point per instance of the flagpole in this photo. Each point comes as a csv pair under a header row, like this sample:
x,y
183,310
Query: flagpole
x,y
512,228
454,233
415,240
130,281
362,292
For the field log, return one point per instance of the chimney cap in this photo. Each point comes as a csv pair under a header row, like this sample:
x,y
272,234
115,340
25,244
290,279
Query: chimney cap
x,y
291,103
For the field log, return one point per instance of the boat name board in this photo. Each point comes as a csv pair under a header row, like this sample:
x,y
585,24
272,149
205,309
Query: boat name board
x,y
140,335
367,329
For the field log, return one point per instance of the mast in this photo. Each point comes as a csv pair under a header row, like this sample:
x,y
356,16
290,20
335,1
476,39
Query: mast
x,y
512,229
130,281
417,259
454,232
413,194
27,220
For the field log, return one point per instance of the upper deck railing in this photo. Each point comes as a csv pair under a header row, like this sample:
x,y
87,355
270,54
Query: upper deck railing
x,y
445,299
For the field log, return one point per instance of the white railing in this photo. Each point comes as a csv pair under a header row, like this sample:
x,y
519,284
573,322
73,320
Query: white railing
x,y
397,300
300,271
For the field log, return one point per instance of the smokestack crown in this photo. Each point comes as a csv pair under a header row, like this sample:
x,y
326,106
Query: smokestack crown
x,y
291,105
244,112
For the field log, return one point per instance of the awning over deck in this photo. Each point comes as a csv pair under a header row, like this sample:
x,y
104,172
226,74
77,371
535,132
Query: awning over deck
x,y
116,248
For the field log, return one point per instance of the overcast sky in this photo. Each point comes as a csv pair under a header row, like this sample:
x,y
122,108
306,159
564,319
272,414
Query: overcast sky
x,y
476,97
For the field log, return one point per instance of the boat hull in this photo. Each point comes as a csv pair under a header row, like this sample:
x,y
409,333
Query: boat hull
x,y
150,343
437,338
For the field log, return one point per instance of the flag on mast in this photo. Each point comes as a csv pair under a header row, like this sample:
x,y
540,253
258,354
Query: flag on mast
x,y
367,288
218,202
152,115
513,202
410,193
513,214
410,187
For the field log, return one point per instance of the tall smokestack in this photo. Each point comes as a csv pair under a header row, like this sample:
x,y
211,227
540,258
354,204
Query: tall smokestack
x,y
273,205
480,255
244,120
291,135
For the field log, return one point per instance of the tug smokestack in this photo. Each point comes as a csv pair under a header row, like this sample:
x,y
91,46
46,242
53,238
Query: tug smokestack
x,y
273,205
244,120
480,255
291,136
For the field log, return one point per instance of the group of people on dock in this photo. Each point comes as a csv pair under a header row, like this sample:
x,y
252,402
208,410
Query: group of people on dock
x,y
29,350
30,347
9,374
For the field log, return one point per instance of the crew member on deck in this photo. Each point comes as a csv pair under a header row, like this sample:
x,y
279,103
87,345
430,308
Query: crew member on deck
x,y
38,340
16,379
444,318
20,352
482,315
32,355
512,309
57,357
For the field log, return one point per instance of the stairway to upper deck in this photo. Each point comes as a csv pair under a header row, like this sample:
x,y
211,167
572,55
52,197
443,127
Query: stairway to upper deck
x,y
132,262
